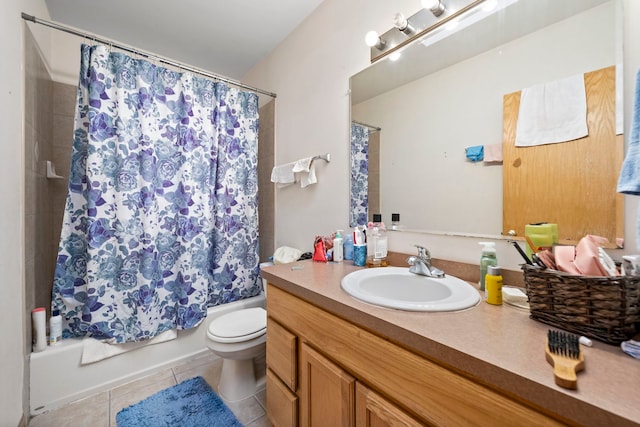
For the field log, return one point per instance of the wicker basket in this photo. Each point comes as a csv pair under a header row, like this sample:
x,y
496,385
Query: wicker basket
x,y
603,308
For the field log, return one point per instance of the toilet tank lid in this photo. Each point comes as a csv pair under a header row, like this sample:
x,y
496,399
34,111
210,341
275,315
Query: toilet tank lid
x,y
239,323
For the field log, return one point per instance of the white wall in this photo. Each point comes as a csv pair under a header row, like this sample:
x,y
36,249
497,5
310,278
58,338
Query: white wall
x,y
12,359
310,73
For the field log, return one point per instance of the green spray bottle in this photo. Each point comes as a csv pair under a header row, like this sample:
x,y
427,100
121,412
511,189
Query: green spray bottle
x,y
487,258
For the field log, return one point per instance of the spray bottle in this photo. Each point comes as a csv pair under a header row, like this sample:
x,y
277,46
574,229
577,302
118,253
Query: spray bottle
x,y
487,258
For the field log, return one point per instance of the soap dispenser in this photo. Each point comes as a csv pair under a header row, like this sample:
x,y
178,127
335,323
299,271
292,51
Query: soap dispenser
x,y
487,258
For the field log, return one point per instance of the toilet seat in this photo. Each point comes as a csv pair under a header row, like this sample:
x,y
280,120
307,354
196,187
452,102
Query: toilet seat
x,y
238,326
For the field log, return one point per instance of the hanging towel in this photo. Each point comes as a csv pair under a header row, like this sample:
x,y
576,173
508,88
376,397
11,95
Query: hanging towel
x,y
493,153
283,174
475,154
307,170
629,180
552,112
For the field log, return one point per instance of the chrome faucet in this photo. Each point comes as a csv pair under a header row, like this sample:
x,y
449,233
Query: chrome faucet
x,y
421,264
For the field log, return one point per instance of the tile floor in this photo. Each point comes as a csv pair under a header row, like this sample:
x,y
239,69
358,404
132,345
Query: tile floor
x,y
100,410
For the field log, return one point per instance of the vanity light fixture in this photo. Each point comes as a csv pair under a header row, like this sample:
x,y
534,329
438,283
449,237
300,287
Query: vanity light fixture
x,y
372,39
435,6
402,24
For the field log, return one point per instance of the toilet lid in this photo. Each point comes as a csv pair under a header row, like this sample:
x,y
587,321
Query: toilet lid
x,y
240,325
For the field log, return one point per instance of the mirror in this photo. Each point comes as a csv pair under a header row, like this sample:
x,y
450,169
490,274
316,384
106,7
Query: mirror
x,y
437,100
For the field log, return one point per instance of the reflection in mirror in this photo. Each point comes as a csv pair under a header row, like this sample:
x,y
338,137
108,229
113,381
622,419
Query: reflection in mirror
x,y
365,173
452,98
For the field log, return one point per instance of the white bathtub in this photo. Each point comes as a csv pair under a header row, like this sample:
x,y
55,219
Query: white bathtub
x,y
57,377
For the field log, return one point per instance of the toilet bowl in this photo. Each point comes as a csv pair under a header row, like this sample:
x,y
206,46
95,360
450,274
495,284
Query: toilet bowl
x,y
238,337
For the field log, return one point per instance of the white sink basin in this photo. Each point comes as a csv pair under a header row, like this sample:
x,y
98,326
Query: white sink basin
x,y
396,287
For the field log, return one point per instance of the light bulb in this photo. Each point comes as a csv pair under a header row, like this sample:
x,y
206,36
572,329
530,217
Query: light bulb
x,y
399,21
435,6
371,39
395,56
402,24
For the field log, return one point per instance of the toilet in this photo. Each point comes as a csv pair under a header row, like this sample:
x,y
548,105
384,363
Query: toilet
x,y
238,337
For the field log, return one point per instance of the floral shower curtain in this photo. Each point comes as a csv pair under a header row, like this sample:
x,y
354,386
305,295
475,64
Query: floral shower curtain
x,y
161,217
359,175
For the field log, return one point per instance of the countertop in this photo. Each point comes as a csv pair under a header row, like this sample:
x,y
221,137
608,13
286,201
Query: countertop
x,y
498,346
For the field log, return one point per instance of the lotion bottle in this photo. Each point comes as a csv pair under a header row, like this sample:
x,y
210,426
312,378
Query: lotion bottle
x,y
55,327
493,281
348,246
487,259
338,248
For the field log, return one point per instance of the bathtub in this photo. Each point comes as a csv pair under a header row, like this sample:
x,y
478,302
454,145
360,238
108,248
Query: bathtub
x,y
58,378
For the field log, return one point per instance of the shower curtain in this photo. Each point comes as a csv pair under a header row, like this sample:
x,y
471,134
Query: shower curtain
x,y
359,175
161,217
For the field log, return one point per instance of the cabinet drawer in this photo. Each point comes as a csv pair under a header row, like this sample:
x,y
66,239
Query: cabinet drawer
x,y
282,353
282,405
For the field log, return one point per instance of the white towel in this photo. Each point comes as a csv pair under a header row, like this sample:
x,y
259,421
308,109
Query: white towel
x,y
94,350
303,165
307,170
552,112
283,174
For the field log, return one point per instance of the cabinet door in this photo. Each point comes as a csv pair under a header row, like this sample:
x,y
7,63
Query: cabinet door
x,y
327,392
282,404
372,410
281,353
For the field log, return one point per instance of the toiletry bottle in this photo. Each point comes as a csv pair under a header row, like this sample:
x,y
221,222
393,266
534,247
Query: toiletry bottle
x,y
487,258
376,243
395,221
348,246
39,323
55,327
359,246
338,248
493,282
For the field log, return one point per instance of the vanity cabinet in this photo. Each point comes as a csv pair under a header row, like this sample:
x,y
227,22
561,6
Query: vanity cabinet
x,y
325,370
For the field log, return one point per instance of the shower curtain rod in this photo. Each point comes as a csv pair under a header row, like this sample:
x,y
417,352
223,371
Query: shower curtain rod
x,y
375,128
149,55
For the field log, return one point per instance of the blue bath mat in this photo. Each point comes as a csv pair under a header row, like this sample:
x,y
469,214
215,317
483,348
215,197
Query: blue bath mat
x,y
192,403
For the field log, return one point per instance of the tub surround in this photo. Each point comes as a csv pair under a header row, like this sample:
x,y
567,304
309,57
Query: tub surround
x,y
58,378
497,347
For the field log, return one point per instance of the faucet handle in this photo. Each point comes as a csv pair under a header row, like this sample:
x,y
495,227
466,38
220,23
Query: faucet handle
x,y
423,252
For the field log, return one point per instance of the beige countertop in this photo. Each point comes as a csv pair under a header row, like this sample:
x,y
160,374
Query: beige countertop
x,y
498,346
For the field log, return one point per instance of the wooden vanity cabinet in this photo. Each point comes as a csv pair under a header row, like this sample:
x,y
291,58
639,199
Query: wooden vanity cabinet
x,y
323,370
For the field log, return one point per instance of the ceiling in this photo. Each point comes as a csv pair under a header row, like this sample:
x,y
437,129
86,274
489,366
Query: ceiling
x,y
226,37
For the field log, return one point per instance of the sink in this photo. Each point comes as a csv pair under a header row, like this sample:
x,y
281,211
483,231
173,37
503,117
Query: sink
x,y
396,287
